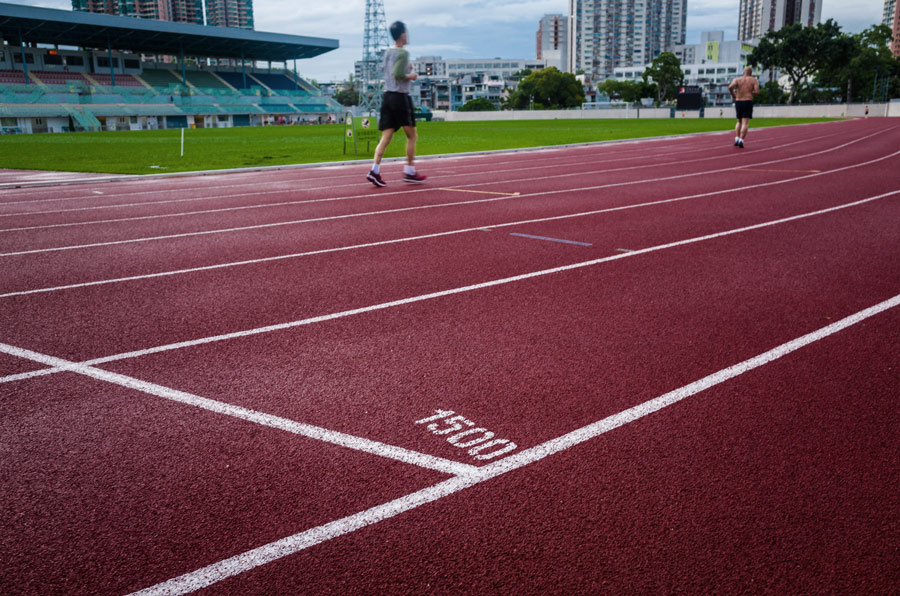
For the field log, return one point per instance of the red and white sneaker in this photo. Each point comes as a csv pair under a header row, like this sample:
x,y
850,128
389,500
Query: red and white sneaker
x,y
375,178
414,178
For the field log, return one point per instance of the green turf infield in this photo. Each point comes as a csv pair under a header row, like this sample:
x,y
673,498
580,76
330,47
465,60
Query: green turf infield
x,y
149,152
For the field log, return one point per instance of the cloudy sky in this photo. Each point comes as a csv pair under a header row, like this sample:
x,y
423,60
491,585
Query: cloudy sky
x,y
473,28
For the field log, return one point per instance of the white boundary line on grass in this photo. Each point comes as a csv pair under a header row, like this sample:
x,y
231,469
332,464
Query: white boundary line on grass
x,y
236,565
438,234
440,294
298,428
428,206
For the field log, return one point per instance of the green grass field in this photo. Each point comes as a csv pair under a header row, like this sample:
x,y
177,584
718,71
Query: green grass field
x,y
148,152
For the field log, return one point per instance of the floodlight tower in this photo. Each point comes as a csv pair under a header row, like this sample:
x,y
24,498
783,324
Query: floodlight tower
x,y
375,42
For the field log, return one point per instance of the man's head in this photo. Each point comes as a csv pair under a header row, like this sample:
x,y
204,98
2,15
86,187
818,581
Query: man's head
x,y
748,72
398,30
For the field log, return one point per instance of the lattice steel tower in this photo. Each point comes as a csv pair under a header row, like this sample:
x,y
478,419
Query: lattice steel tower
x,y
375,42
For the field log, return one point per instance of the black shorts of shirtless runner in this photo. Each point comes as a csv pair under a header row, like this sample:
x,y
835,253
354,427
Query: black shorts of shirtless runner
x,y
743,108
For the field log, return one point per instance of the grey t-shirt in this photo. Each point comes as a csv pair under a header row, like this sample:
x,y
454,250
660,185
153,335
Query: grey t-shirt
x,y
395,68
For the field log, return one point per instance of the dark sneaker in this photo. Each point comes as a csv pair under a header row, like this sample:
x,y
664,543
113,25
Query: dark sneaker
x,y
414,178
375,179
741,144
737,142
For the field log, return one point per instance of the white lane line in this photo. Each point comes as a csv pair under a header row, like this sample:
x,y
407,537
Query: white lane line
x,y
368,195
236,565
298,428
419,207
443,293
438,234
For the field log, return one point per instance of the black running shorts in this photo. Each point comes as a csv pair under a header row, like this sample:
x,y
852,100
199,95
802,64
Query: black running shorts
x,y
397,111
744,108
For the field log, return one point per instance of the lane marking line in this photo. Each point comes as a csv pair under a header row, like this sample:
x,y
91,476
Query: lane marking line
x,y
298,428
416,208
549,239
236,565
437,234
779,171
443,293
483,192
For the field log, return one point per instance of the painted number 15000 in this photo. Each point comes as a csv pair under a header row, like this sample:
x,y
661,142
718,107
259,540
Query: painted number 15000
x,y
480,442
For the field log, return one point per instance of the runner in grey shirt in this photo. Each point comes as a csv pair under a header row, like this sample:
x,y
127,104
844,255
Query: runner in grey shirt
x,y
397,109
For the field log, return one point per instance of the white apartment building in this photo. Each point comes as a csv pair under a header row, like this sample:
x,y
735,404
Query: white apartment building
x,y
712,64
609,34
758,17
552,38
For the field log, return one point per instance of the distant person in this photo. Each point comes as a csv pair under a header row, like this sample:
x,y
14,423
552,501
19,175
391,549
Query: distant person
x,y
397,109
742,91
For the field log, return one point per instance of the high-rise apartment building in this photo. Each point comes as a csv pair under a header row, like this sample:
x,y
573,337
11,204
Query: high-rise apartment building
x,y
181,11
230,13
892,19
606,34
758,17
552,38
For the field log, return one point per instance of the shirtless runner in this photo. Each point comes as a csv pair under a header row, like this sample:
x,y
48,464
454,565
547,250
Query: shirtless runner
x,y
742,91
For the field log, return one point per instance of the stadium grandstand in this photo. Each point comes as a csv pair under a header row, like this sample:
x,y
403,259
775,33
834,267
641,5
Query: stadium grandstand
x,y
63,71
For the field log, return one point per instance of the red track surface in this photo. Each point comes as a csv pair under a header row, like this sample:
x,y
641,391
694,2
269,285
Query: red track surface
x,y
213,383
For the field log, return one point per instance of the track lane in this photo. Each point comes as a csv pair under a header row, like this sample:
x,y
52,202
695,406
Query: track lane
x,y
265,242
774,482
104,486
223,300
560,351
246,204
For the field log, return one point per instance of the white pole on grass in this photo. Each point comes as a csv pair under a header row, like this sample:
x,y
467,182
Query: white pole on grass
x,y
182,142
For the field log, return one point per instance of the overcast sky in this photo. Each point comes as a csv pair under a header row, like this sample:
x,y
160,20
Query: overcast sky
x,y
472,28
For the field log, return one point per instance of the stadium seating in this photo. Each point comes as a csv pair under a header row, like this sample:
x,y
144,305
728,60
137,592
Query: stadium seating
x,y
204,79
276,81
122,80
160,78
54,77
236,80
12,76
90,101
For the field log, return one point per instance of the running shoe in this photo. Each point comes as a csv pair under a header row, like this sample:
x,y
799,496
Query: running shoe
x,y
375,179
414,178
741,144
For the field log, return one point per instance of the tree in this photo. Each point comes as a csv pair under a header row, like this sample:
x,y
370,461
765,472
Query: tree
x,y
665,71
800,52
547,89
480,104
627,91
870,59
348,95
771,93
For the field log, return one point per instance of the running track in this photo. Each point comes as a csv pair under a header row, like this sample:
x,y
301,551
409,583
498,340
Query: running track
x,y
667,366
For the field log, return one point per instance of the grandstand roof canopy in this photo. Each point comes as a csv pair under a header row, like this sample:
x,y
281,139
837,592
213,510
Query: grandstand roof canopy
x,y
89,30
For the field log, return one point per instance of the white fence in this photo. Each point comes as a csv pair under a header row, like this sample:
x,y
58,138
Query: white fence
x,y
856,110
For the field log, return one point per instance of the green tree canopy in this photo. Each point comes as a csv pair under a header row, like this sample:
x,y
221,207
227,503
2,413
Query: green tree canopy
x,y
628,91
870,60
549,89
481,104
348,94
665,71
801,52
